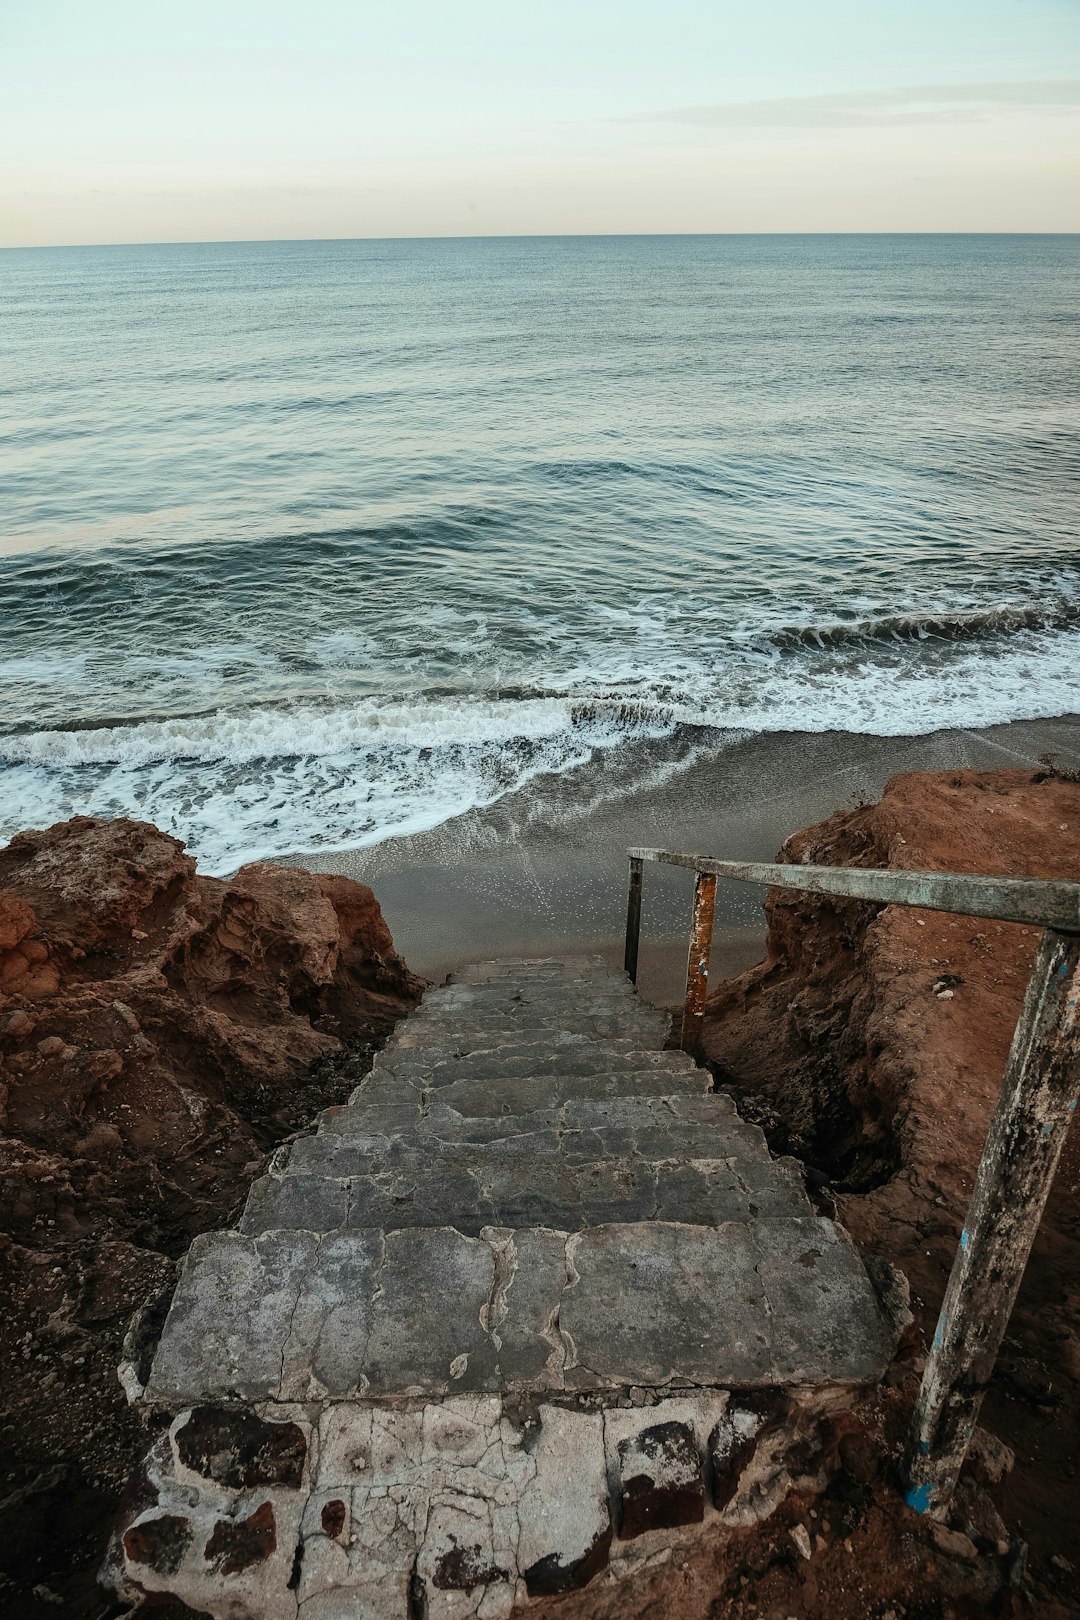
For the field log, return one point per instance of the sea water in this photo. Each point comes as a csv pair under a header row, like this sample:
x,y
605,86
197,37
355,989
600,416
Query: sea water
x,y
307,544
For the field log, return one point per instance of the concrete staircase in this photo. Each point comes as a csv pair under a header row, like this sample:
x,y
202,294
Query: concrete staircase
x,y
494,1310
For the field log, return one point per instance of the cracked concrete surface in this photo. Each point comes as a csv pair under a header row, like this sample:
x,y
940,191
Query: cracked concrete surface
x,y
533,1299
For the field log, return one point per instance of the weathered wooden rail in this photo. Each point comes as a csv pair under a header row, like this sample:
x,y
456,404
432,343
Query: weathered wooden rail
x,y
1027,1133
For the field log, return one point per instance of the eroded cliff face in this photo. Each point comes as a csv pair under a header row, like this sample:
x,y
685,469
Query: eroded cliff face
x,y
159,1032
872,1045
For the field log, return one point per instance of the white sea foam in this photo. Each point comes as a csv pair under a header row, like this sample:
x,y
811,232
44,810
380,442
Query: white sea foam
x,y
296,778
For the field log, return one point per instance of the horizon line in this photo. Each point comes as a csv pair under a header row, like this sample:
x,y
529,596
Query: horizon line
x,y
504,236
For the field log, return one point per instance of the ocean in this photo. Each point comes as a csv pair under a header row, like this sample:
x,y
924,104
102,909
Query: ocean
x,y
305,545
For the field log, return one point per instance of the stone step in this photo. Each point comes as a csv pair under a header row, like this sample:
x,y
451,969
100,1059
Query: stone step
x,y
481,1004
489,1098
414,1094
469,1033
580,1131
520,1182
519,989
291,1316
538,1055
527,1207
406,1107
570,968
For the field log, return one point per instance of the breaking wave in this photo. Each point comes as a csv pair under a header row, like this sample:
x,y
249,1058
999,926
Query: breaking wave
x,y
301,777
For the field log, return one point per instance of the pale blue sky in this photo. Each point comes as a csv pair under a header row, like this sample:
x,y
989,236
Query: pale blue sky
x,y
127,121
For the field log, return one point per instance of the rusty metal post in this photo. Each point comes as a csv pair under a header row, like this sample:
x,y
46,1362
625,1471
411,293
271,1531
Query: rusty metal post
x,y
633,918
1026,1136
697,963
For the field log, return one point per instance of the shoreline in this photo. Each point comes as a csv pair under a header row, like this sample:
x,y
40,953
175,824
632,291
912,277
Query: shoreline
x,y
543,871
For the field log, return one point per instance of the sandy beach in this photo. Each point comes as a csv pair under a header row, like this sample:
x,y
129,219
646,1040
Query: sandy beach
x,y
544,870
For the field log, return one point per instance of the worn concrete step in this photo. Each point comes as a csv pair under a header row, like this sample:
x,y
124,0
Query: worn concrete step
x,y
292,1316
405,1078
482,1003
524,1056
520,1182
645,1127
521,988
494,1097
470,1033
569,968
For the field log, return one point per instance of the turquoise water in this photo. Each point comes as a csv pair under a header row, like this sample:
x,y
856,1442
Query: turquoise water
x,y
305,544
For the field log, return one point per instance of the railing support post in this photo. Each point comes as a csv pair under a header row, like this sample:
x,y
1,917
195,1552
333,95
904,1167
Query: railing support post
x,y
1024,1143
633,918
697,963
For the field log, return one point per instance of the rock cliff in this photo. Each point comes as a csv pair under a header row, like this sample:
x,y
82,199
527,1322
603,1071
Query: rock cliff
x,y
159,1032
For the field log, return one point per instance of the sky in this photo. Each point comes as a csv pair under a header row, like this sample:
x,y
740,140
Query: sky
x,y
210,120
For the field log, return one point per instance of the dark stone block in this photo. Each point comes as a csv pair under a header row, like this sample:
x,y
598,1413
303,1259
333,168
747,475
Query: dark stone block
x,y
550,1575
464,1567
661,1480
238,1543
237,1448
736,1437
159,1543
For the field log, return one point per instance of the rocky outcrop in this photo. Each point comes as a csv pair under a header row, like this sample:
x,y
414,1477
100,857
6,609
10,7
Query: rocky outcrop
x,y
152,1020
159,1032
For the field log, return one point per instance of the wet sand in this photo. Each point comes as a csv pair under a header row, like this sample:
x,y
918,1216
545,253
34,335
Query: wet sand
x,y
544,871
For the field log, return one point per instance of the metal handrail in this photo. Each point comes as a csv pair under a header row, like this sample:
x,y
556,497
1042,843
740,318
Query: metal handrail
x,y
1039,1095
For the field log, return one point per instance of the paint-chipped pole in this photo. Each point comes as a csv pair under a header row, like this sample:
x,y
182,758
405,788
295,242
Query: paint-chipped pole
x,y
1027,1134
697,962
633,919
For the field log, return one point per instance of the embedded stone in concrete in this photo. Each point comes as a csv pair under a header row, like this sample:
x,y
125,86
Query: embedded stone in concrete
x,y
332,1517
660,1480
237,1448
565,1520
159,1542
458,1553
235,1544
734,1439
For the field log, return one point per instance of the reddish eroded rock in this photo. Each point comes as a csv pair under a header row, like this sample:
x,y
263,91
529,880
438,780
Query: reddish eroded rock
x,y
149,1016
25,968
159,1032
842,1032
871,1042
236,1544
